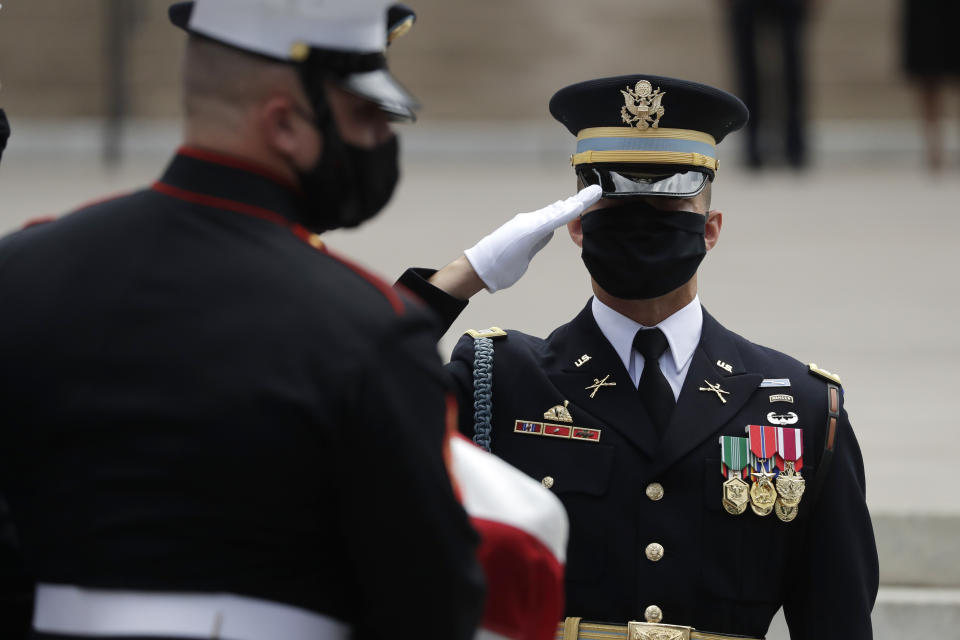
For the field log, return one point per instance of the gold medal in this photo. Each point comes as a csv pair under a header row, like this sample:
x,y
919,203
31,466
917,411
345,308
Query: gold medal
x,y
736,496
763,495
784,511
790,486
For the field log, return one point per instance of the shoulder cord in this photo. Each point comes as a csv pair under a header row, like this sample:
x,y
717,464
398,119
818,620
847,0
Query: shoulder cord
x,y
482,391
829,444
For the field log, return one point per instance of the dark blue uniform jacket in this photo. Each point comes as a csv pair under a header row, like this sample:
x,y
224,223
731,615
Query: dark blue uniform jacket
x,y
719,572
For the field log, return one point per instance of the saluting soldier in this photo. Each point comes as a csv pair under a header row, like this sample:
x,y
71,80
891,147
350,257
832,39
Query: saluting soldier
x,y
211,426
709,480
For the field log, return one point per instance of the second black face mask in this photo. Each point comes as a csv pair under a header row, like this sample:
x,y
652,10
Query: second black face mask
x,y
349,184
637,252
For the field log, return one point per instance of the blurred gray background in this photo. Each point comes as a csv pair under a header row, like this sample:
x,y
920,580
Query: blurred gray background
x,y
849,263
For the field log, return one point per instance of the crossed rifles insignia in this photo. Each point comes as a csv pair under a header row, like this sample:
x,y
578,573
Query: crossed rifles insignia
x,y
716,389
642,108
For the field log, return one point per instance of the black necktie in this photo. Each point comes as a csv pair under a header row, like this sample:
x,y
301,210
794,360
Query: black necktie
x,y
655,391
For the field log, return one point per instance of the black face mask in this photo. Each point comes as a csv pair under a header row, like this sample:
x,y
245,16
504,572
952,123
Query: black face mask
x,y
349,184
636,251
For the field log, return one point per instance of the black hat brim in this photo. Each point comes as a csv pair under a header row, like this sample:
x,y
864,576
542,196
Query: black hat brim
x,y
626,181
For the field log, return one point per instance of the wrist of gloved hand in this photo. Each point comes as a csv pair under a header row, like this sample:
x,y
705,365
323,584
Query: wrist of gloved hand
x,y
502,257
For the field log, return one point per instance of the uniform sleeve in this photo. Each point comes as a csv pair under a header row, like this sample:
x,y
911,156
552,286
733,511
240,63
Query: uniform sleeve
x,y
446,307
411,543
835,578
16,590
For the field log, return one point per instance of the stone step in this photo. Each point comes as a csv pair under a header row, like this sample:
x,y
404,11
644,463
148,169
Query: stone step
x,y
903,614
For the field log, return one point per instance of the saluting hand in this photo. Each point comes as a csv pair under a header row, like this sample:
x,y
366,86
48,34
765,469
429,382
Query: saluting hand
x,y
503,256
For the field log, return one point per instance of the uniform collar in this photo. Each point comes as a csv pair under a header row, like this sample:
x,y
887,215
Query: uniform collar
x,y
682,330
229,178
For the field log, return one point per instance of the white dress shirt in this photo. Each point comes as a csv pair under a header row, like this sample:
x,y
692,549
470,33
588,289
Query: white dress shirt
x,y
682,331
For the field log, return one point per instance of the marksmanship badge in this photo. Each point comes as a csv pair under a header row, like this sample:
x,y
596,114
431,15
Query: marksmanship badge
x,y
642,105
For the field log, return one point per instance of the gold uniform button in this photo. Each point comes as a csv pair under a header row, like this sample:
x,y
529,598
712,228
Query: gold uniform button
x,y
654,491
547,481
653,614
654,551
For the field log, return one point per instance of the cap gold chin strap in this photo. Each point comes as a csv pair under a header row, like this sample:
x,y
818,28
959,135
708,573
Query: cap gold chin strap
x,y
645,146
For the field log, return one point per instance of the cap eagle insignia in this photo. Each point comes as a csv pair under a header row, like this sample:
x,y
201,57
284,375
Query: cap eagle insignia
x,y
642,108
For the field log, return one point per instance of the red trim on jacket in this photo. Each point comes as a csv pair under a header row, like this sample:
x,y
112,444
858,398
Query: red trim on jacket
x,y
221,203
40,220
298,230
451,419
235,162
388,291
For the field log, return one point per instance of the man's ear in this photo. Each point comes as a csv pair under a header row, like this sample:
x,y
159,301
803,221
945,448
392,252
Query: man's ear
x,y
575,228
285,130
714,224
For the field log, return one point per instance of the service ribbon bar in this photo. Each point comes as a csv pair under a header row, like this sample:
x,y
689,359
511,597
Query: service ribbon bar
x,y
763,446
536,428
735,455
789,447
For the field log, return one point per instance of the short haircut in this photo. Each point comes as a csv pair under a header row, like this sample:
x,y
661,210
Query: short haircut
x,y
220,81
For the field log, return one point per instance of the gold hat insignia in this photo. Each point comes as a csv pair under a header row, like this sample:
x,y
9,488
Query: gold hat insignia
x,y
642,105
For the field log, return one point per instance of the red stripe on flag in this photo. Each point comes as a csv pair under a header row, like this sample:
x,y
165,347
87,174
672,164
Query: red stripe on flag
x,y
524,582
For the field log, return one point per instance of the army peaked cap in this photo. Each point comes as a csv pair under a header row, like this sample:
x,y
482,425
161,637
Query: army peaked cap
x,y
646,135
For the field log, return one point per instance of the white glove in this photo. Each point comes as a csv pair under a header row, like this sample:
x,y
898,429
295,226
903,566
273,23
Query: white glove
x,y
503,256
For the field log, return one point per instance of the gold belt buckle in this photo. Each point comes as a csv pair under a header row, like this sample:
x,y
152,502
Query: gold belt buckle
x,y
657,631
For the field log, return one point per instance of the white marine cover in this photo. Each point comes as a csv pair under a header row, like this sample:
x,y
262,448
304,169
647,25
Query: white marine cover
x,y
273,27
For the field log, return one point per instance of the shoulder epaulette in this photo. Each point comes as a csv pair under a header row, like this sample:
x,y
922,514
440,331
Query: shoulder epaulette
x,y
492,332
823,373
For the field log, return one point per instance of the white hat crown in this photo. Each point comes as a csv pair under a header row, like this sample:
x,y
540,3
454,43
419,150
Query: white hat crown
x,y
276,27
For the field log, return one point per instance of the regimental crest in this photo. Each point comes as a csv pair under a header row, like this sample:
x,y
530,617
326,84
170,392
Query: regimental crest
x,y
643,106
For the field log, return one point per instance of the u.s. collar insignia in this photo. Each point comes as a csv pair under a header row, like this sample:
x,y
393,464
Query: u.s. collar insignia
x,y
726,367
642,105
559,413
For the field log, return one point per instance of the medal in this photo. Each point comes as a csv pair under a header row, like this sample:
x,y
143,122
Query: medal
x,y
784,512
763,447
735,453
763,496
790,484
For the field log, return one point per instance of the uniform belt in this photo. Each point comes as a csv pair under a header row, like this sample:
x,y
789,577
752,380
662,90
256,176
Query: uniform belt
x,y
70,610
574,629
